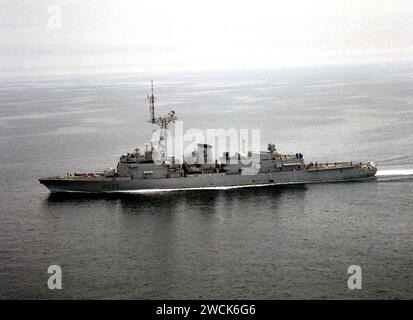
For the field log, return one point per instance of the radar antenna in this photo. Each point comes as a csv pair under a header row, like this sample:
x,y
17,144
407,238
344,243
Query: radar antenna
x,y
163,123
151,100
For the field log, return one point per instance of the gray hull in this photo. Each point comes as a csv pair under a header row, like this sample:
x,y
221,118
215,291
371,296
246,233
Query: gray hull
x,y
216,180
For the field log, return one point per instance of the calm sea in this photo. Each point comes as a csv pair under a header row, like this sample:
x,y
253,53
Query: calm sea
x,y
275,242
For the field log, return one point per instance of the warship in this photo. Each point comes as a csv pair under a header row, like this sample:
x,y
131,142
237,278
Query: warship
x,y
153,170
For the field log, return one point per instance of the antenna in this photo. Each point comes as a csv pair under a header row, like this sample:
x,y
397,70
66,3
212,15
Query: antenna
x,y
163,123
151,100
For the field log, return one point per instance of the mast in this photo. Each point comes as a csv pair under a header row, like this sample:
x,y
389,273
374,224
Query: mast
x,y
163,123
151,100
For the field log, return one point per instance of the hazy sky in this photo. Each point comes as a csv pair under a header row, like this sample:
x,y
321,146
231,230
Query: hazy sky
x,y
213,34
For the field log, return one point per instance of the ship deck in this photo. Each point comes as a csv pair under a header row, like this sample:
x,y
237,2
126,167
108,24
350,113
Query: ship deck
x,y
85,178
331,166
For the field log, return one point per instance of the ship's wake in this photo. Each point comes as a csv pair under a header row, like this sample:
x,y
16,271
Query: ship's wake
x,y
394,173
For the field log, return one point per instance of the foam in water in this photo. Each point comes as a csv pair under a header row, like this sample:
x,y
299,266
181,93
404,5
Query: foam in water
x,y
394,172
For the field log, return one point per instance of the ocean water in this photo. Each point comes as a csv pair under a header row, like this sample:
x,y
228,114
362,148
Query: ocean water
x,y
253,243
